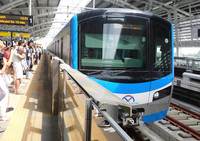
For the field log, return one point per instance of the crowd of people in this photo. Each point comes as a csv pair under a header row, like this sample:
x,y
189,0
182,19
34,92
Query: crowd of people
x,y
16,62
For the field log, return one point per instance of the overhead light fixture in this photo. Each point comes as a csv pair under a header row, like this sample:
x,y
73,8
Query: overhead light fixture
x,y
168,3
155,7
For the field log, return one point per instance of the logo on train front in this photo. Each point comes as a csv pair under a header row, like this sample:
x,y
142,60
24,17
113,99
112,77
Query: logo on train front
x,y
129,98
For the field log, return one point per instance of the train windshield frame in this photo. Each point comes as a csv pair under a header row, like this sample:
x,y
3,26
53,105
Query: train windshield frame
x,y
162,46
115,43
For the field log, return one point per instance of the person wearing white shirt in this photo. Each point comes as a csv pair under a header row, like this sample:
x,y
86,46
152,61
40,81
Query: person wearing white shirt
x,y
17,66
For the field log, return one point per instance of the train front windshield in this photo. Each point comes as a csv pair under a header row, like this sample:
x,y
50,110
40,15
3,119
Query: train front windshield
x,y
118,43
114,43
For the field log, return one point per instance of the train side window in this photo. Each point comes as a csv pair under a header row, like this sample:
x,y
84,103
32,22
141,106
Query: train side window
x,y
162,49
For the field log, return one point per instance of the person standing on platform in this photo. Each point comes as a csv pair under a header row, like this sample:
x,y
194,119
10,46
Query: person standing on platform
x,y
4,93
29,57
17,66
36,55
40,52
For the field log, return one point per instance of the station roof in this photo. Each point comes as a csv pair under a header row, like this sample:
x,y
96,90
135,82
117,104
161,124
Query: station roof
x,y
51,15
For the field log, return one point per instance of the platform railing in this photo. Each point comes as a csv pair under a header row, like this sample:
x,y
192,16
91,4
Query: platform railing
x,y
187,63
90,101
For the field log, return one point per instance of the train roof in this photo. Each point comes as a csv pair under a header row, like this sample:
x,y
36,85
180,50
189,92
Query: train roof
x,y
115,11
112,11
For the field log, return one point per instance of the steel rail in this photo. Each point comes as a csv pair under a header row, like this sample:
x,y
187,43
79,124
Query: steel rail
x,y
183,127
185,110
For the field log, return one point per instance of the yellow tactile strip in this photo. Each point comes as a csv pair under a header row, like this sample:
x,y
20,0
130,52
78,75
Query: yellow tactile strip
x,y
27,121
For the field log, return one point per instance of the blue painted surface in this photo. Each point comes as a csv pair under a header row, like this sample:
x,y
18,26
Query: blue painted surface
x,y
156,84
124,88
74,42
154,117
134,88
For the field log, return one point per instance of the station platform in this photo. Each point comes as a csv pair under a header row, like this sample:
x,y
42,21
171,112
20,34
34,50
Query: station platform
x,y
31,118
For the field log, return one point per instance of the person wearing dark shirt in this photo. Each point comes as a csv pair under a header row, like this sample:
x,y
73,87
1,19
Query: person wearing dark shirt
x,y
29,57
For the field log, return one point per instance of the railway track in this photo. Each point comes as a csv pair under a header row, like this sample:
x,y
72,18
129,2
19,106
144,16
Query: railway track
x,y
179,124
190,126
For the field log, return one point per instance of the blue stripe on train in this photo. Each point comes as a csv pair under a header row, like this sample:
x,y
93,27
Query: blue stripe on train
x,y
127,88
154,117
74,41
172,39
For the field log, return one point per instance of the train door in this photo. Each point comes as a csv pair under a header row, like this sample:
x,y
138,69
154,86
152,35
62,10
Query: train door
x,y
55,48
68,47
58,52
62,48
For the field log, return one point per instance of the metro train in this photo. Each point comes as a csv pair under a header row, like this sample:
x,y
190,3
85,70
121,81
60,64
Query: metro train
x,y
128,52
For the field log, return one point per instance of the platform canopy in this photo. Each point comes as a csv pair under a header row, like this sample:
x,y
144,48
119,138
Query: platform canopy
x,y
49,16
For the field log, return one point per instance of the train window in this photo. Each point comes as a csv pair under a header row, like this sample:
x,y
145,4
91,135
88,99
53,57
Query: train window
x,y
162,38
114,44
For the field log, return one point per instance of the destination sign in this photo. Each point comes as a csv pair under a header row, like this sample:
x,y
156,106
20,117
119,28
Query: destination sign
x,y
16,19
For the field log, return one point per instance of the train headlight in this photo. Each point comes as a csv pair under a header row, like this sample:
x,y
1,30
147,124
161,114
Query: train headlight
x,y
162,93
156,95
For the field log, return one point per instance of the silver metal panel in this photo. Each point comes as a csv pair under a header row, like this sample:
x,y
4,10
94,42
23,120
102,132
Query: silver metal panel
x,y
155,106
95,90
187,84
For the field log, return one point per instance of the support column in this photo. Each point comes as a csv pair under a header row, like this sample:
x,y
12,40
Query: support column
x,y
169,16
88,119
190,12
30,7
93,4
176,30
150,5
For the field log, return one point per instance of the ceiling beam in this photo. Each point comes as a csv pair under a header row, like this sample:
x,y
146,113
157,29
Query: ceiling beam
x,y
171,7
184,3
52,13
40,30
11,5
35,8
45,23
122,3
40,35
